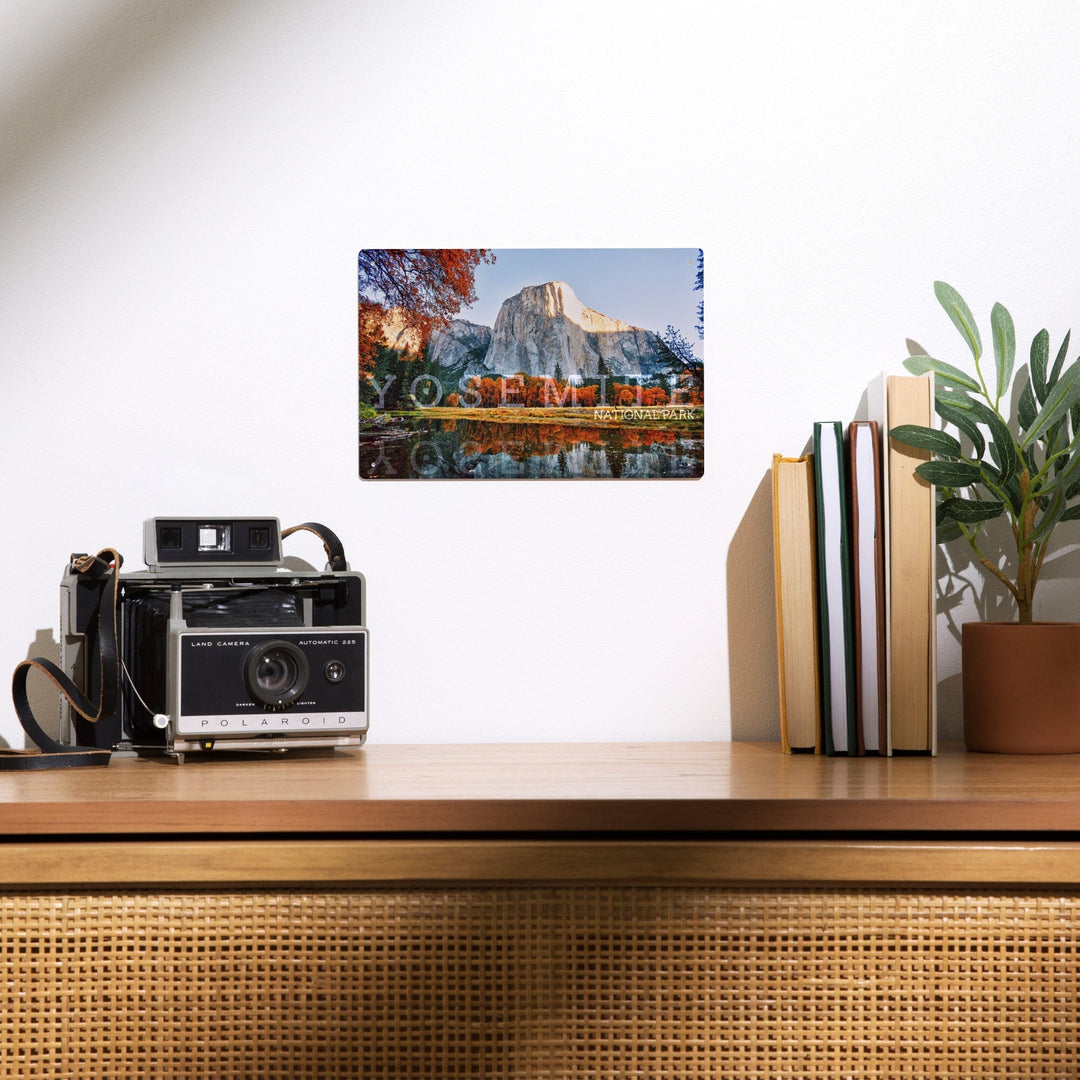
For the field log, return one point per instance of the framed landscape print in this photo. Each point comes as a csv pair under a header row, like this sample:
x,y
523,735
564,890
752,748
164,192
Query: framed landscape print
x,y
531,363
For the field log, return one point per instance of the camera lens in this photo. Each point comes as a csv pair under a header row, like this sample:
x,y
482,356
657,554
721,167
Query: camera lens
x,y
276,673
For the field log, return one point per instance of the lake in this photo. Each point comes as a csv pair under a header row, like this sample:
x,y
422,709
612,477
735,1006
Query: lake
x,y
425,448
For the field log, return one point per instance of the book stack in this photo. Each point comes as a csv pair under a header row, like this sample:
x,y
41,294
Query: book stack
x,y
855,551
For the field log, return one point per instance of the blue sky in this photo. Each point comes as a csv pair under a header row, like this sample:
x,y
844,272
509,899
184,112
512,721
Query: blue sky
x,y
647,287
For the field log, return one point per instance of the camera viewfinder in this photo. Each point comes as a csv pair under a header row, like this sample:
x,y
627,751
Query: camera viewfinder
x,y
215,538
199,542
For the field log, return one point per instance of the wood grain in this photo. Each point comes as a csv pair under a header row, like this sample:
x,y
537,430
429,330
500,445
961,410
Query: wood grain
x,y
718,788
418,863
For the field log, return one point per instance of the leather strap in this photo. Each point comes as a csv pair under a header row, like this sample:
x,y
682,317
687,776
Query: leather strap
x,y
52,754
335,551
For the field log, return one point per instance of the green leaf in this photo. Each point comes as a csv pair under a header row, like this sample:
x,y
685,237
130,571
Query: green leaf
x,y
1001,326
1012,490
1060,361
1061,463
1027,410
926,438
1056,440
958,398
948,531
1059,399
961,316
920,365
1048,521
991,478
961,419
1040,357
951,474
1072,514
971,511
1027,457
1068,479
1002,447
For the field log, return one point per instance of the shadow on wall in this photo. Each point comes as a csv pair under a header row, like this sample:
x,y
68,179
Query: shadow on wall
x,y
752,671
964,592
103,54
42,695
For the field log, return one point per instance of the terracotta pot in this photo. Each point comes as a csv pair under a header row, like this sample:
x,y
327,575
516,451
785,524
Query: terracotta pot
x,y
1022,687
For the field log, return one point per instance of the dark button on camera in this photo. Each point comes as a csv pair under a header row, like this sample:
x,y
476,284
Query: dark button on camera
x,y
334,671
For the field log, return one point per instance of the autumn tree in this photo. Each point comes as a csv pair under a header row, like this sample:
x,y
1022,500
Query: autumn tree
x,y
489,392
586,396
424,288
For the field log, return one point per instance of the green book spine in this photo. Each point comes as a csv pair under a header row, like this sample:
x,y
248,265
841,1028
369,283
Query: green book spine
x,y
839,716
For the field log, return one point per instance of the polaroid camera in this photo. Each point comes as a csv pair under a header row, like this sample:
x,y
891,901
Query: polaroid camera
x,y
218,644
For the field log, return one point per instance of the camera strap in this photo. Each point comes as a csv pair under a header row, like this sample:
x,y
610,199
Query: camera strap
x,y
50,753
335,550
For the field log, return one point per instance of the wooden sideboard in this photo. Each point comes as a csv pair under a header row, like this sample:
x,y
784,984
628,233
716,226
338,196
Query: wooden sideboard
x,y
543,910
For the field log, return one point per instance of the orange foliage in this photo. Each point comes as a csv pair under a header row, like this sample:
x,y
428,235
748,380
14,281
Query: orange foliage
x,y
544,392
688,391
588,397
632,436
521,441
648,397
369,335
426,286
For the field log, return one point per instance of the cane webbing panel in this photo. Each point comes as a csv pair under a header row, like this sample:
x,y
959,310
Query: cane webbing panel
x,y
540,982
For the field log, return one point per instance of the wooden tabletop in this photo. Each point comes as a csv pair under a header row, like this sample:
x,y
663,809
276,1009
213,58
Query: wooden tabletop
x,y
695,788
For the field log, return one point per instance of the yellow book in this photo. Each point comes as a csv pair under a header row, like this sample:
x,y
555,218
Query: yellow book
x,y
912,544
794,554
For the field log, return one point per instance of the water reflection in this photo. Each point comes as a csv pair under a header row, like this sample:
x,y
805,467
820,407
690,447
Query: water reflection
x,y
492,450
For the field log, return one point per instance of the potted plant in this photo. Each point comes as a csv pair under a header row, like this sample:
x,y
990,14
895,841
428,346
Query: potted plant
x,y
1021,680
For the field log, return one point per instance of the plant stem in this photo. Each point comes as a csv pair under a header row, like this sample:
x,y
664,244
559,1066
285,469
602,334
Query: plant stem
x,y
1026,574
989,566
1044,547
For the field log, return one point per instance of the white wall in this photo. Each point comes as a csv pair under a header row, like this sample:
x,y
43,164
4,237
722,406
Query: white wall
x,y
183,191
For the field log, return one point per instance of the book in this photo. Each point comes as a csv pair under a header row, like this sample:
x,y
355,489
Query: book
x,y
794,560
868,583
836,646
910,565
